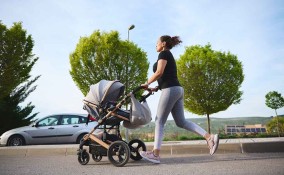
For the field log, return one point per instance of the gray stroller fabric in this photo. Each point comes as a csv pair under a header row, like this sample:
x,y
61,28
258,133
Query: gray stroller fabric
x,y
104,91
100,93
107,91
92,111
140,114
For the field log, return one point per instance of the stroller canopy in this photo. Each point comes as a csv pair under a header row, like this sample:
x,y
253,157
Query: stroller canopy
x,y
105,91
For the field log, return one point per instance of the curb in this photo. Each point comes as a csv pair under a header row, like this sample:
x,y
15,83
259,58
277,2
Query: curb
x,y
170,148
224,148
262,147
197,149
38,152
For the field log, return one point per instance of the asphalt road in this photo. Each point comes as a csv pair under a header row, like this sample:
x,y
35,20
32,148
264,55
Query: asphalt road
x,y
252,163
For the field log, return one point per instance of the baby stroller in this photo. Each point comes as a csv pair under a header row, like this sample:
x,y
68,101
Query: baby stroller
x,y
102,104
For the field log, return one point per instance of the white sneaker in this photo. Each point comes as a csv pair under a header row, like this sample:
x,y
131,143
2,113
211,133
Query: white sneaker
x,y
213,143
149,155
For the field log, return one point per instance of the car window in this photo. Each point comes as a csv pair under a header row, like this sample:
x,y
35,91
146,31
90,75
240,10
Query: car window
x,y
70,120
84,119
49,121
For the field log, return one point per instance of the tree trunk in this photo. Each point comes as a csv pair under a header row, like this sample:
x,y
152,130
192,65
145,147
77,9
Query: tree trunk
x,y
208,124
277,120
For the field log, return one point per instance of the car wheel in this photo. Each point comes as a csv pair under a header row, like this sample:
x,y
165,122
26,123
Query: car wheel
x,y
16,140
79,138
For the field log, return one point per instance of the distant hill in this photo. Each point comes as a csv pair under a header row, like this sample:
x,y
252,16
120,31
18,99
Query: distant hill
x,y
217,124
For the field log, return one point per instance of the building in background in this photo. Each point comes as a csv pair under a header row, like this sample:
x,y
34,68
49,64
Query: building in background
x,y
244,129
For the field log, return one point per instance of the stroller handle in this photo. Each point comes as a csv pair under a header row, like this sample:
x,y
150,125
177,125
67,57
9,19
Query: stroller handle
x,y
150,92
137,89
147,89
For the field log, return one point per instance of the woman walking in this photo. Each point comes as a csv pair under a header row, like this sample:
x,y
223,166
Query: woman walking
x,y
171,99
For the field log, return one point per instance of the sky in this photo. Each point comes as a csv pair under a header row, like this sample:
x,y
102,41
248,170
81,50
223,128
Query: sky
x,y
253,30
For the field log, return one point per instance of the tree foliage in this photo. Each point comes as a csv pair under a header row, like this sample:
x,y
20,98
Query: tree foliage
x,y
276,125
211,80
274,100
16,62
105,56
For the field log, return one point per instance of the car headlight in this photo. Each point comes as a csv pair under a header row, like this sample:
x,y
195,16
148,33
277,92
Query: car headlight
x,y
3,135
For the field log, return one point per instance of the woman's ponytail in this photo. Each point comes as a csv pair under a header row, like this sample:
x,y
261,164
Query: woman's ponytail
x,y
170,41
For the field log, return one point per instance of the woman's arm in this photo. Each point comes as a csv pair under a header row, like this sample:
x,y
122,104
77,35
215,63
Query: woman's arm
x,y
159,72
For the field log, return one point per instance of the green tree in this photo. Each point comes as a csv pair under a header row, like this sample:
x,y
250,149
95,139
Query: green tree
x,y
211,80
274,100
16,62
276,125
105,56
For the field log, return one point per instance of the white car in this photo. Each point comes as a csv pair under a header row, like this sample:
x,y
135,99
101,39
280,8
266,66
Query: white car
x,y
53,129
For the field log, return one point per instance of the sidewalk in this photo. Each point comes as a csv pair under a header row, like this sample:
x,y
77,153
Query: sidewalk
x,y
248,145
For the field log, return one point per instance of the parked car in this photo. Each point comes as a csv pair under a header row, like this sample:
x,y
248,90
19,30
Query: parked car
x,y
53,129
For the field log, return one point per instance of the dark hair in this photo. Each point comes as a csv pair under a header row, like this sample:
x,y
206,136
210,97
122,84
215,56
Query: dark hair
x,y
170,41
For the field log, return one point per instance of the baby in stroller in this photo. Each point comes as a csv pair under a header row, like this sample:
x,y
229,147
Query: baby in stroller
x,y
102,104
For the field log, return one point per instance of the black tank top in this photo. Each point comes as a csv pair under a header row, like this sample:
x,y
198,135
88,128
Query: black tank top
x,y
169,77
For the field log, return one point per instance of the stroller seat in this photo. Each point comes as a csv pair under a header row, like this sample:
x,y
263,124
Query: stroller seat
x,y
118,116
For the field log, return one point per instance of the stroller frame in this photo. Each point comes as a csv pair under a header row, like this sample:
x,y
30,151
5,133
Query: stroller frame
x,y
117,150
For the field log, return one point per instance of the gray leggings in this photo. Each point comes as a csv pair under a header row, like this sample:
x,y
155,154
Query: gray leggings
x,y
171,100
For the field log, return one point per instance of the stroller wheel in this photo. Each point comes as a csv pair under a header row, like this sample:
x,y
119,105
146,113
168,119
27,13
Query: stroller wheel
x,y
135,147
97,158
83,157
118,153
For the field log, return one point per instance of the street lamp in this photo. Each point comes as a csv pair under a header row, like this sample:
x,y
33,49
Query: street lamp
x,y
129,28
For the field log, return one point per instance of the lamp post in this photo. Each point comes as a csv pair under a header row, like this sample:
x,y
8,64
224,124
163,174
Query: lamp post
x,y
129,28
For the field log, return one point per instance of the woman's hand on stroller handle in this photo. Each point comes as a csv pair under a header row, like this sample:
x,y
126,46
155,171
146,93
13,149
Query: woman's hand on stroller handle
x,y
146,87
150,91
155,89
